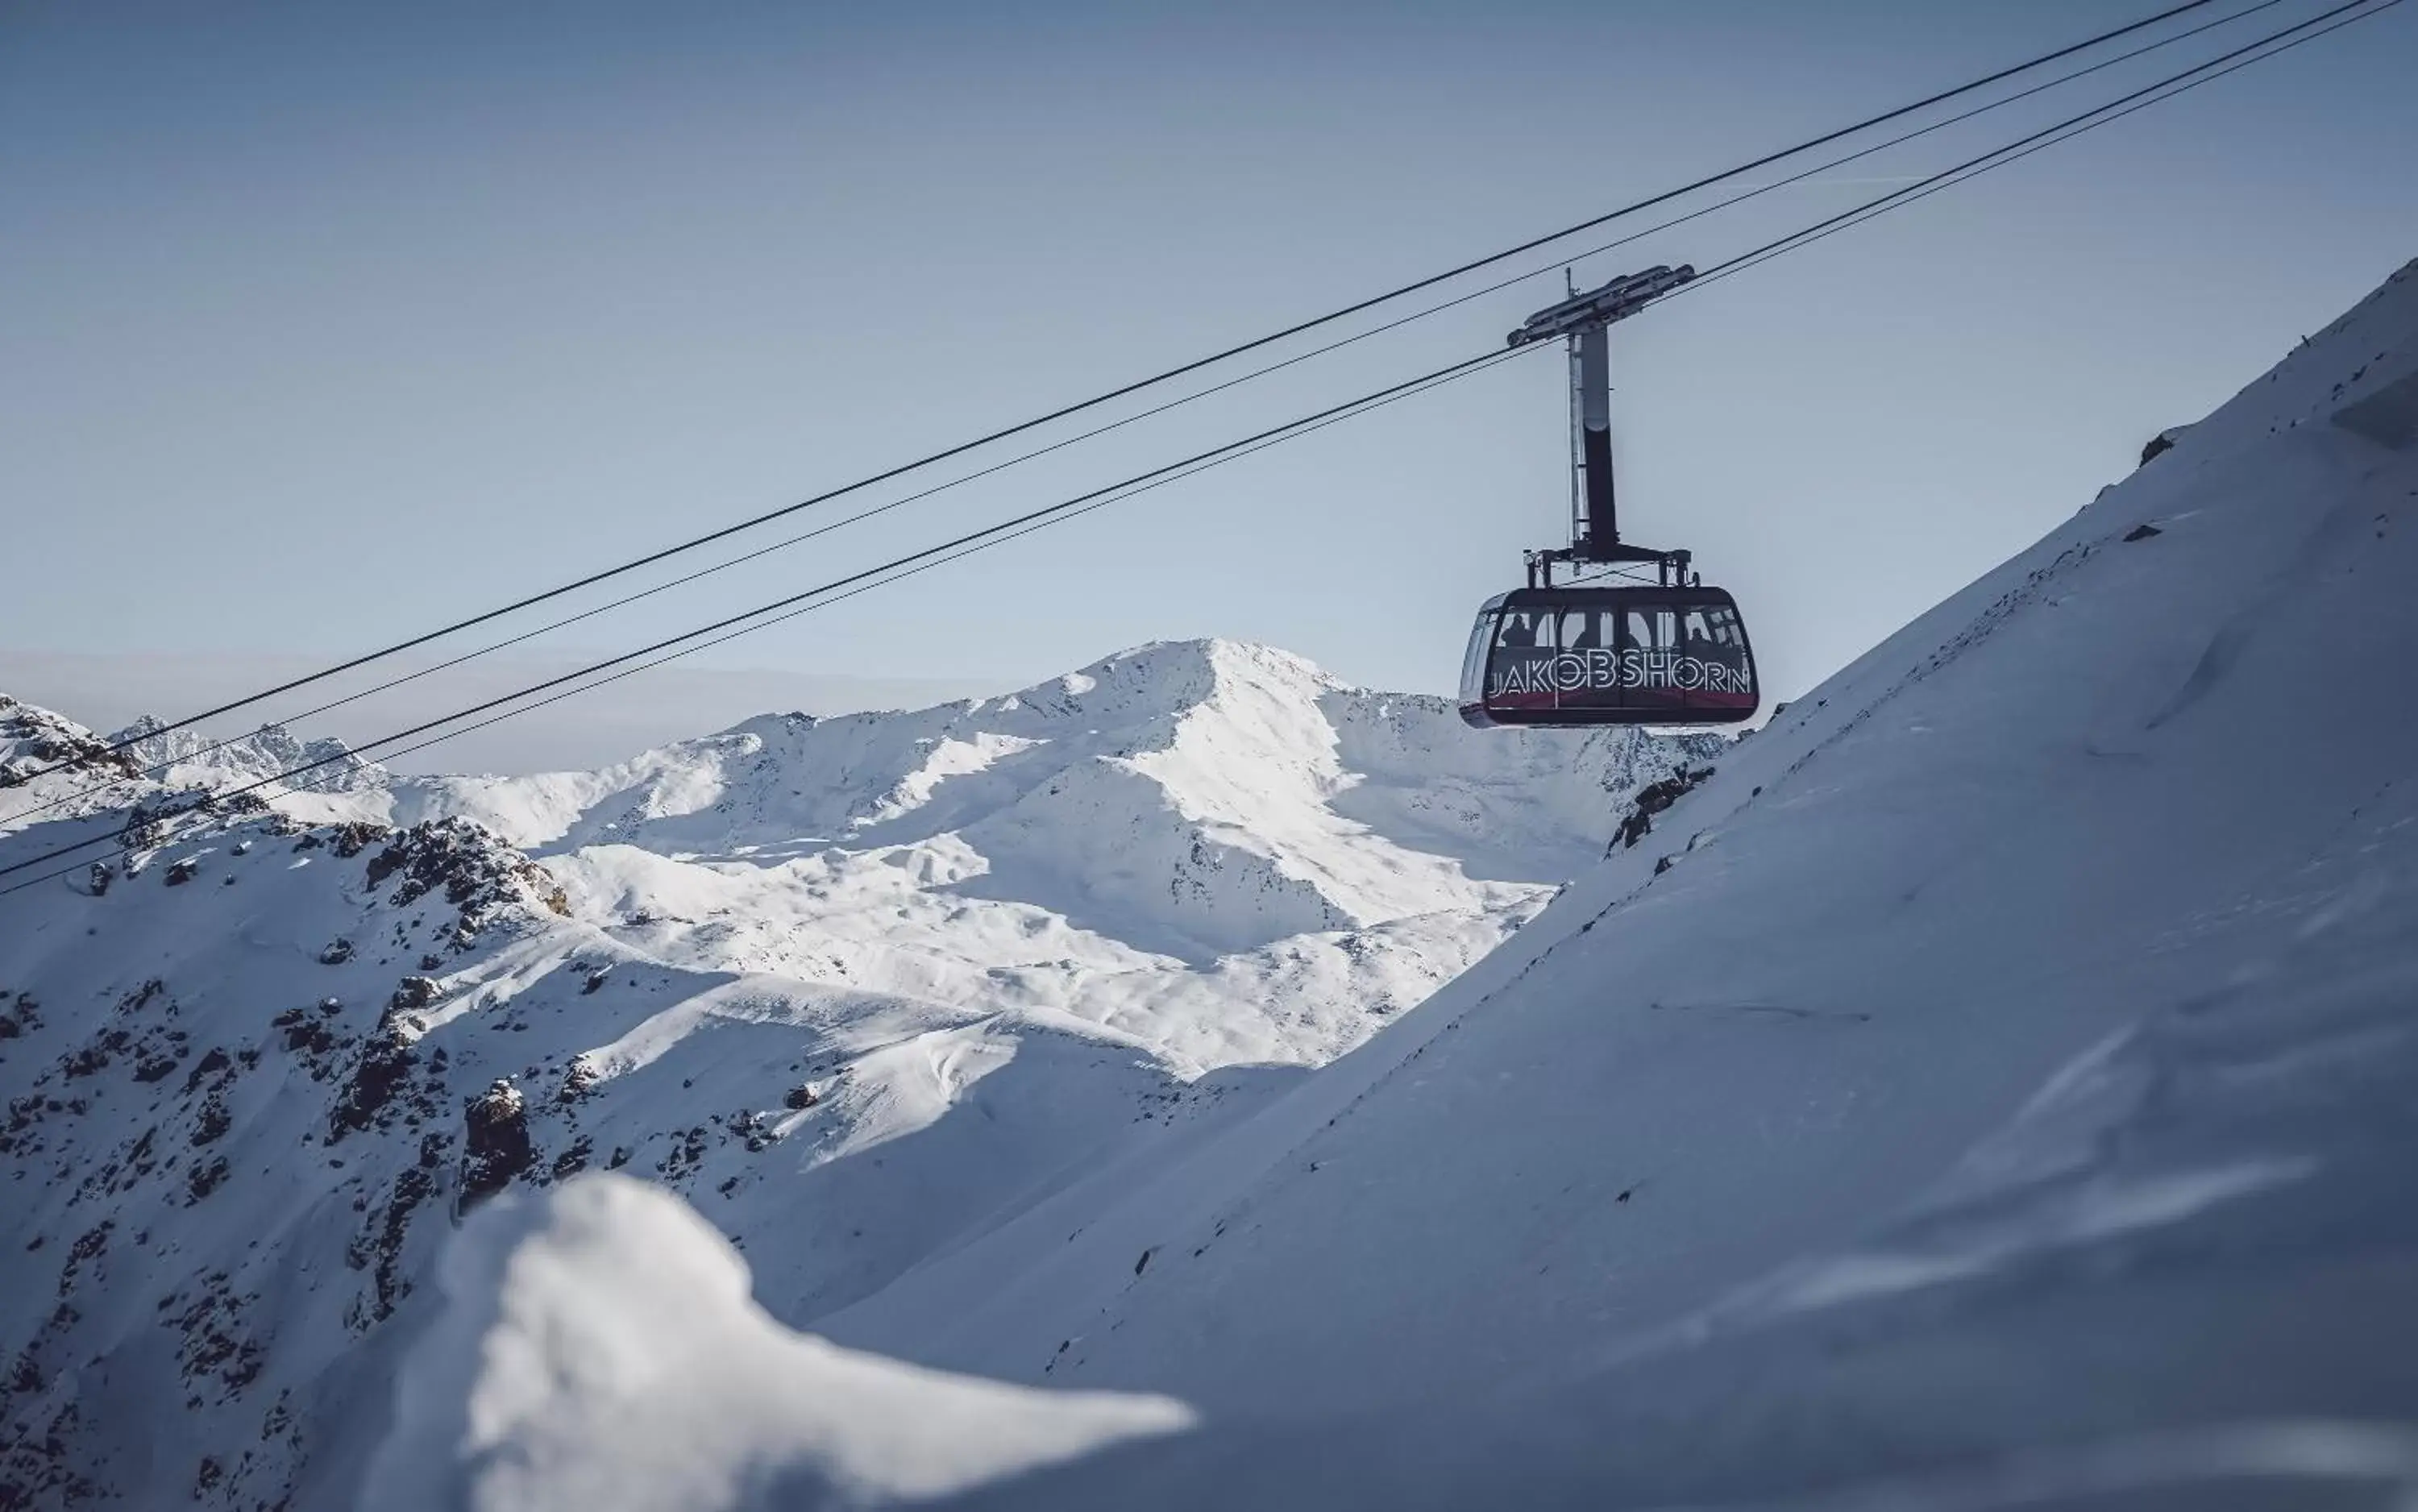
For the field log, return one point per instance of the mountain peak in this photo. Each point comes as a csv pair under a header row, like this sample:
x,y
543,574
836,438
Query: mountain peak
x,y
1188,799
1169,677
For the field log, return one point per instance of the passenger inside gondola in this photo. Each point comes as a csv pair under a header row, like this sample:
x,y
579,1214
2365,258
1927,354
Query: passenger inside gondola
x,y
1523,631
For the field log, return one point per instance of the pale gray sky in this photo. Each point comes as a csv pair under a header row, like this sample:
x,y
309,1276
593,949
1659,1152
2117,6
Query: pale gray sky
x,y
326,323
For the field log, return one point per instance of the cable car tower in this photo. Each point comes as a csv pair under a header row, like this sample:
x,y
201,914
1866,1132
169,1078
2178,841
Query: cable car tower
x,y
1585,321
1578,654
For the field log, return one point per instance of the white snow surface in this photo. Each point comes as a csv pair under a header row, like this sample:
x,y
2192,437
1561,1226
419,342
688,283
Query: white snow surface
x,y
1996,1088
860,989
601,1349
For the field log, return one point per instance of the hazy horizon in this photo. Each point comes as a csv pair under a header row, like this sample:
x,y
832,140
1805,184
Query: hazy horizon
x,y
109,691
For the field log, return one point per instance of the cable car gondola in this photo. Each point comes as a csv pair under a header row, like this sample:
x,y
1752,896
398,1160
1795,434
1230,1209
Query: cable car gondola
x,y
1579,653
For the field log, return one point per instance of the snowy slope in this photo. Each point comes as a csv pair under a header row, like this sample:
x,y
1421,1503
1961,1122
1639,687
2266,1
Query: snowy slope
x,y
603,1432
855,988
2002,1096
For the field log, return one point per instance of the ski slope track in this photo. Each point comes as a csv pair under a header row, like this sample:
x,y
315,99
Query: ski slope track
x,y
858,988
1994,1088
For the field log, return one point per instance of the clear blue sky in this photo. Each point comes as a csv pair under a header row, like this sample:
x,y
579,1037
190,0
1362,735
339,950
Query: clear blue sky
x,y
324,323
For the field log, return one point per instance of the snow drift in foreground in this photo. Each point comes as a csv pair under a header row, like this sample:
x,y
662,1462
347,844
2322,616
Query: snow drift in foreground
x,y
1995,1088
600,1351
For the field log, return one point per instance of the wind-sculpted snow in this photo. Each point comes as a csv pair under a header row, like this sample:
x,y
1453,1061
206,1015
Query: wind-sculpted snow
x,y
1992,1087
860,990
599,1350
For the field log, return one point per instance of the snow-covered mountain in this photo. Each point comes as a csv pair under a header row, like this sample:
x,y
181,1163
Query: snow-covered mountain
x,y
1211,845
185,758
147,763
1995,1088
860,989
